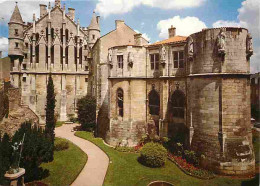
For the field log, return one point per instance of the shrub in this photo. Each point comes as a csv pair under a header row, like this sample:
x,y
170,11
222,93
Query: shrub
x,y
86,107
62,145
153,155
5,156
191,157
37,148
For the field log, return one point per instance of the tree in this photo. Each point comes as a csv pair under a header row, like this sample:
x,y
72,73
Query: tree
x,y
86,107
5,156
37,148
50,111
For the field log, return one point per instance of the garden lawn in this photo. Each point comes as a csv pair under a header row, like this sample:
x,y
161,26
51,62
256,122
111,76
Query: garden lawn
x,y
66,166
124,170
59,124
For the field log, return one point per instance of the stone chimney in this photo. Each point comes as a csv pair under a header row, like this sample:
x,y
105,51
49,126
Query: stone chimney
x,y
119,23
172,31
71,13
138,39
43,10
1,54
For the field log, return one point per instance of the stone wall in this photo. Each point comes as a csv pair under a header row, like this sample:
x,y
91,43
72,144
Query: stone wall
x,y
18,113
219,101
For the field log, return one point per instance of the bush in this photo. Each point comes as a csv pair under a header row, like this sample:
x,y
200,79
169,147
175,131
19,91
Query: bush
x,y
191,157
37,148
153,155
86,107
62,145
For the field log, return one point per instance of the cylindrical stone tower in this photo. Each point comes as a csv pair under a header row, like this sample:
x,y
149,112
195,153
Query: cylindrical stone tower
x,y
219,99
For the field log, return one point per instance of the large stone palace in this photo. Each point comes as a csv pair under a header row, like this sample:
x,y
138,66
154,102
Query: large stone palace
x,y
196,87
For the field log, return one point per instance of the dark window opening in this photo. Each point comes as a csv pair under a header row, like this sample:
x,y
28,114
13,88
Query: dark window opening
x,y
25,56
85,47
52,54
93,36
154,59
178,104
66,55
86,79
120,102
24,79
16,45
86,58
16,32
86,68
154,103
37,53
26,45
178,59
24,66
120,60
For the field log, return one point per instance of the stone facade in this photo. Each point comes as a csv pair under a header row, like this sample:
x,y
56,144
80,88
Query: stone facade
x,y
17,112
196,86
56,44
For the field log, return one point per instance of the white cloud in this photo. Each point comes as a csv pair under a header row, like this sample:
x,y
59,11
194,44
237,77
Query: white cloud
x,y
222,23
26,7
144,35
249,18
173,4
4,45
184,26
107,7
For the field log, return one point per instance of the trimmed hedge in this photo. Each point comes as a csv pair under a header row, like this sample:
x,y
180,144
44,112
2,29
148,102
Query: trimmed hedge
x,y
153,155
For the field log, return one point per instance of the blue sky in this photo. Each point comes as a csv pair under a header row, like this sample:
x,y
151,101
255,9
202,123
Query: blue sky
x,y
153,17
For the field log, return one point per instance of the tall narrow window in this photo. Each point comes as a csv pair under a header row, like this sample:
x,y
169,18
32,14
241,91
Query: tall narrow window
x,y
154,103
120,102
154,59
178,104
93,36
120,61
16,32
178,59
26,45
16,45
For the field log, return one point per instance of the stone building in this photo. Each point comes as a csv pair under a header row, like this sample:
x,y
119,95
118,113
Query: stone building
x,y
56,44
255,96
194,88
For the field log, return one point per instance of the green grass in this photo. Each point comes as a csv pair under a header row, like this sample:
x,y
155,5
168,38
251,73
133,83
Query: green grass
x,y
66,166
59,123
125,170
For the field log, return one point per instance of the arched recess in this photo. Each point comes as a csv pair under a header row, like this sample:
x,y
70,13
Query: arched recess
x,y
120,102
177,130
154,102
178,104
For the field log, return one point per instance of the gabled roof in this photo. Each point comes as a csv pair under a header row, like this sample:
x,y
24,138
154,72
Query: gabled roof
x,y
56,7
16,16
94,24
175,39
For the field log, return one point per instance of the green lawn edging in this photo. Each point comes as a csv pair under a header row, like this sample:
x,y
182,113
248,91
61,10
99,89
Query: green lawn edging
x,y
66,166
124,169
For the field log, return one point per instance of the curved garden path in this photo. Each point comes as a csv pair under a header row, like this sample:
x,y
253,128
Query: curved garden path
x,y
94,172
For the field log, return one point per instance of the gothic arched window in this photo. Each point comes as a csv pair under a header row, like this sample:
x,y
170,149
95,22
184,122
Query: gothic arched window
x,y
178,104
120,102
154,103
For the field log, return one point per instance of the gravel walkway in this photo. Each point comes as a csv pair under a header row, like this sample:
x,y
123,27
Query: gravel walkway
x,y
94,172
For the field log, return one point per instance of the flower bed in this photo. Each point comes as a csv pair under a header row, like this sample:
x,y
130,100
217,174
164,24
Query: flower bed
x,y
190,169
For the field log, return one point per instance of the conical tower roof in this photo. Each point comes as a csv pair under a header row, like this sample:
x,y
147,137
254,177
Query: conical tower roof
x,y
94,24
16,16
